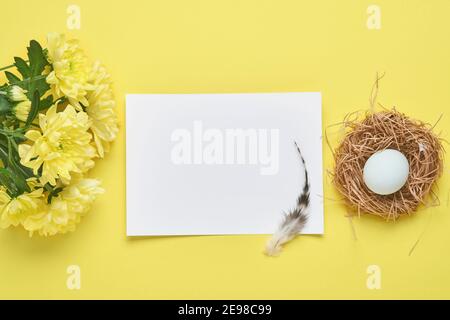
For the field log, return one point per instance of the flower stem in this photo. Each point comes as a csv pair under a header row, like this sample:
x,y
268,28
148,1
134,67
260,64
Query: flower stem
x,y
26,80
7,67
10,66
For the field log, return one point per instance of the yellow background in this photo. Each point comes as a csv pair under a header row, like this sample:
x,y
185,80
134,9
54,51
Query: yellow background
x,y
201,46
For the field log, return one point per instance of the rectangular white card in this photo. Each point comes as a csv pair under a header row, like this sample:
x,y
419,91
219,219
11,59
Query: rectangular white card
x,y
200,164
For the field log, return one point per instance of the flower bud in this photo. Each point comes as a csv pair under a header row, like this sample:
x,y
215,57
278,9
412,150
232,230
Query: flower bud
x,y
22,109
16,93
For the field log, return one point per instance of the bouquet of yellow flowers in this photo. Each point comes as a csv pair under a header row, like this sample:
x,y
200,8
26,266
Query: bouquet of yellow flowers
x,y
57,115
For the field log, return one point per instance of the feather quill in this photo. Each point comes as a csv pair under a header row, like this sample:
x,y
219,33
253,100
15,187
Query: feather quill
x,y
293,221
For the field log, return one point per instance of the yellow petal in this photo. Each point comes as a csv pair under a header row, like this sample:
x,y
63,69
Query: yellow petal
x,y
23,150
33,135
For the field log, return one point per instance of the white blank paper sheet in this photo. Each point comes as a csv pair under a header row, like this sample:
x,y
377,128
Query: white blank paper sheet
x,y
203,164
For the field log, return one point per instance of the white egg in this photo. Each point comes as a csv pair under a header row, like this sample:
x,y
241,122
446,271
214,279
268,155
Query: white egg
x,y
386,172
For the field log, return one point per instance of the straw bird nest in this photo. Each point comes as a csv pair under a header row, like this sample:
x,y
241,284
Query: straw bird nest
x,y
387,130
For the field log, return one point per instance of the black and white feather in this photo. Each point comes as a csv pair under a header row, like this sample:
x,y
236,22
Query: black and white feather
x,y
293,221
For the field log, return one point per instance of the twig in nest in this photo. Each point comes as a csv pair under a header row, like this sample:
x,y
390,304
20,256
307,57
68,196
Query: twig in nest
x,y
374,92
416,243
293,221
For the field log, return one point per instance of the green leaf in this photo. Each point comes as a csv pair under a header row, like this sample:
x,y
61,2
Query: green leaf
x,y
34,108
23,67
12,78
19,182
15,171
19,137
36,58
4,154
8,182
31,70
46,103
38,61
5,105
41,85
15,184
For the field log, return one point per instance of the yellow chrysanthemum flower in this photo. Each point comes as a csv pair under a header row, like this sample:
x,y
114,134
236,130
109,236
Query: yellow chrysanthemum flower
x,y
101,109
63,146
15,210
70,70
66,209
